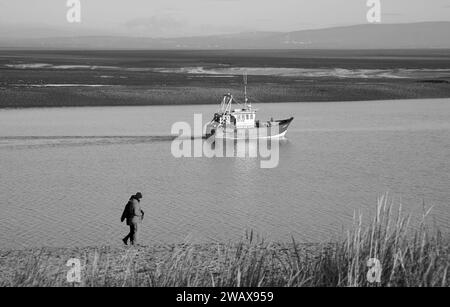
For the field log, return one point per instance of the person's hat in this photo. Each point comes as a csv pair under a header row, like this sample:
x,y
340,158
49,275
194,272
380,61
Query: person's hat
x,y
138,195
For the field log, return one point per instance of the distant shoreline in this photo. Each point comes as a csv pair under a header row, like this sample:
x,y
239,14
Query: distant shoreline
x,y
141,78
424,34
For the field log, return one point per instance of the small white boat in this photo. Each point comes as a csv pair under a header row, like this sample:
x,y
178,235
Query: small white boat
x,y
241,123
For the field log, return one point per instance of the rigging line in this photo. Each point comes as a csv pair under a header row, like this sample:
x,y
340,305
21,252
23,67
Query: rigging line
x,y
256,100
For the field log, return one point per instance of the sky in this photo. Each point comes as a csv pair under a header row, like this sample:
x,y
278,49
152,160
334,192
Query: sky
x,y
172,18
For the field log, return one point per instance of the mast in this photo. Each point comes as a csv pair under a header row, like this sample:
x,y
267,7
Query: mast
x,y
245,91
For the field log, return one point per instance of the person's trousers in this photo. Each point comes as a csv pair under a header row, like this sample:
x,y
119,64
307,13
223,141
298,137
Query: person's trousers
x,y
132,236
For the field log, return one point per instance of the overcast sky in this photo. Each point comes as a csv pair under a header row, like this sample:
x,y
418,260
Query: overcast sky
x,y
201,17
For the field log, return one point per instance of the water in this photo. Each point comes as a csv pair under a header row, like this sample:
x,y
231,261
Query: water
x,y
66,173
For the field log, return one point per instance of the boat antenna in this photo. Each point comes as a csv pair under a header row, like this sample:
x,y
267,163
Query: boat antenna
x,y
245,90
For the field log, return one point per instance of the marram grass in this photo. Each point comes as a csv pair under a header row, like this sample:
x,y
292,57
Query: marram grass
x,y
412,257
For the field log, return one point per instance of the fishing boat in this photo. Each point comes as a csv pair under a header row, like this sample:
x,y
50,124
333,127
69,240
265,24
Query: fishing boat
x,y
241,123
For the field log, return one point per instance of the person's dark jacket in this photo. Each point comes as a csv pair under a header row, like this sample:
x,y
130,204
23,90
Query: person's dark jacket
x,y
132,212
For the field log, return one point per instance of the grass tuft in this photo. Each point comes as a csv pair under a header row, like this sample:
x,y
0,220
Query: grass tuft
x,y
412,257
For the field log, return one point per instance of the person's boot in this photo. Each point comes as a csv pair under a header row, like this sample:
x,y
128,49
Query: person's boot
x,y
125,241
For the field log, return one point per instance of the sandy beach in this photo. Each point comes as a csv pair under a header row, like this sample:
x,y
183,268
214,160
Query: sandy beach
x,y
406,258
136,266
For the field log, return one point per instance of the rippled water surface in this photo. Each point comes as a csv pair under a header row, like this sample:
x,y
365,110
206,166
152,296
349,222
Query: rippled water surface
x,y
66,173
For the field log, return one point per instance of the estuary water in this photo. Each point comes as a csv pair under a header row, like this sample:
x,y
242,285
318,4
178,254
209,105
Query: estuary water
x,y
66,173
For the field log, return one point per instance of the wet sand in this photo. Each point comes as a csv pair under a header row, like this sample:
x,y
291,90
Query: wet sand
x,y
111,78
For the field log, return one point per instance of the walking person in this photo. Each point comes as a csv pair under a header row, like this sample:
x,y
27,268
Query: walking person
x,y
134,215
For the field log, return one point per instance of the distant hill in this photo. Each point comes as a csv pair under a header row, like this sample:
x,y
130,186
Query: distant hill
x,y
368,36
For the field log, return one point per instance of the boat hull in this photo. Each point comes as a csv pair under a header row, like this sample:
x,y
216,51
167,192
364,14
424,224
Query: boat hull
x,y
276,130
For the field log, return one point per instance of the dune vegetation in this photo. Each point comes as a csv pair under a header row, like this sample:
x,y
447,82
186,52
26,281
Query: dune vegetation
x,y
387,248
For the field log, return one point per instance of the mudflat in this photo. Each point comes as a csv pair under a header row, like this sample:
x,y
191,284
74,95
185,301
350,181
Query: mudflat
x,y
110,78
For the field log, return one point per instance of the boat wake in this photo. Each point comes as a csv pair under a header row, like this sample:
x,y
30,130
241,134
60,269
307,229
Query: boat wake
x,y
26,142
